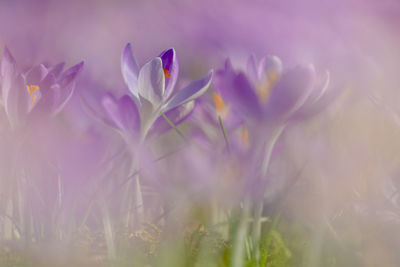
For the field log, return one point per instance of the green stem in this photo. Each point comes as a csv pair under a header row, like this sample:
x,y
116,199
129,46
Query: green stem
x,y
240,237
228,145
260,205
173,126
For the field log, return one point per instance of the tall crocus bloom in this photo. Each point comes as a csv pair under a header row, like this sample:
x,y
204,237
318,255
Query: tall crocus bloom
x,y
267,92
39,89
152,93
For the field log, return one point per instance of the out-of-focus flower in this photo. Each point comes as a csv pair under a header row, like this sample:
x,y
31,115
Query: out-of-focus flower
x,y
152,93
41,89
269,93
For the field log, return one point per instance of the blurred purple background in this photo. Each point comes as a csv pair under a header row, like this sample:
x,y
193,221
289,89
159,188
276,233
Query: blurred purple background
x,y
340,35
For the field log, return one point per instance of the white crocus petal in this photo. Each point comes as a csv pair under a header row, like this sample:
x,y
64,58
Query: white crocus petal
x,y
130,71
190,92
152,82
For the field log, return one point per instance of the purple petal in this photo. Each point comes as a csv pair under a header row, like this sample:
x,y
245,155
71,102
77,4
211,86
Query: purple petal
x,y
123,113
57,69
291,92
252,71
177,115
91,101
152,82
110,105
36,74
171,69
7,63
18,101
321,97
53,96
190,92
237,91
129,114
62,97
70,74
130,70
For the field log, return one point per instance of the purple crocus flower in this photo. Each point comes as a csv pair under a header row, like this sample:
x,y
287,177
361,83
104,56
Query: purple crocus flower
x,y
40,89
152,93
269,93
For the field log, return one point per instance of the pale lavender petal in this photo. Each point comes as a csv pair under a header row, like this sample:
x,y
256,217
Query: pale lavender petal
x,y
129,114
152,82
18,101
57,69
237,92
123,113
36,74
321,97
7,63
291,92
7,72
91,101
110,105
190,92
130,70
252,70
49,93
62,98
57,93
268,64
70,74
171,69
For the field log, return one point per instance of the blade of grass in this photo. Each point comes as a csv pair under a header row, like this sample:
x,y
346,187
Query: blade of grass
x,y
269,236
173,126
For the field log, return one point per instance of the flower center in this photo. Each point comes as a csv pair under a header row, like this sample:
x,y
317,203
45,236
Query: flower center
x,y
220,107
31,90
166,73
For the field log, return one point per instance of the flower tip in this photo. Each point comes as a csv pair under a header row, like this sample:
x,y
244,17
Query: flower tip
x,y
228,64
169,53
78,67
127,52
128,46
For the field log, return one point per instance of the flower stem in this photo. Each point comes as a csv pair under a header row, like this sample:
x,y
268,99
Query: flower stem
x,y
260,204
228,145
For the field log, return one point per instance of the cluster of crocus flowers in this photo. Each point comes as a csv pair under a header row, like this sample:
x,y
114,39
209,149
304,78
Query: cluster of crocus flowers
x,y
268,92
248,109
41,89
267,96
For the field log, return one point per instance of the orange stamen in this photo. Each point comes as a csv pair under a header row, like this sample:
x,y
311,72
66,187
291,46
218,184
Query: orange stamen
x,y
219,103
33,99
31,90
166,73
244,134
